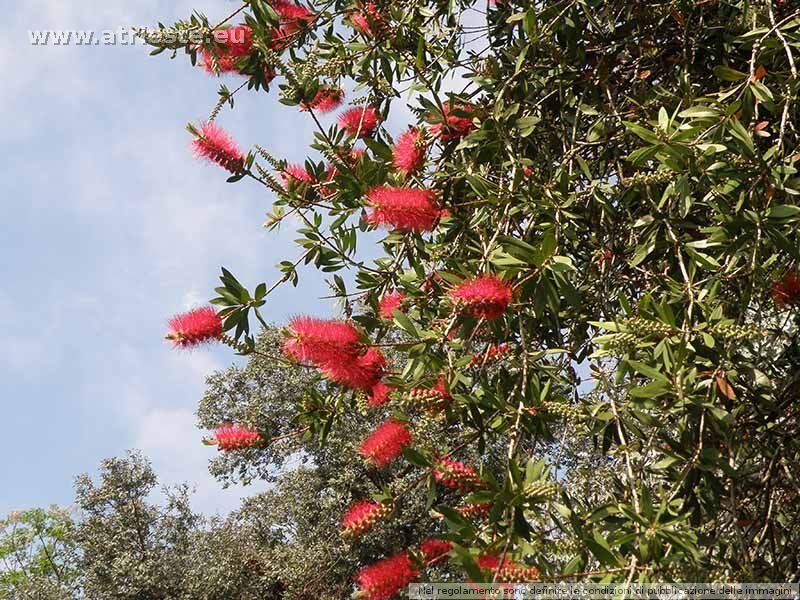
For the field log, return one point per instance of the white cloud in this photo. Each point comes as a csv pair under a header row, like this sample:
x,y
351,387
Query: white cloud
x,y
165,435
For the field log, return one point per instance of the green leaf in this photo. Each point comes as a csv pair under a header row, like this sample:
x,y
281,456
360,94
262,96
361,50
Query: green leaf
x,y
699,112
665,463
405,323
600,548
415,458
784,211
468,562
642,132
727,74
647,370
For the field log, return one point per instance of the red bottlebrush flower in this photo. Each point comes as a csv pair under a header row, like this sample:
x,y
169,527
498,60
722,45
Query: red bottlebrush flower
x,y
456,475
362,517
236,437
367,20
440,389
787,291
389,303
386,443
293,14
408,154
507,570
386,578
492,354
405,209
379,395
361,373
293,18
213,144
238,40
322,341
435,398
359,121
484,297
433,549
325,100
455,126
296,174
527,171
489,561
230,44
195,327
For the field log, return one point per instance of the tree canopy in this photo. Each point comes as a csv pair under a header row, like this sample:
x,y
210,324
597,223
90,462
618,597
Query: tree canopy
x,y
590,260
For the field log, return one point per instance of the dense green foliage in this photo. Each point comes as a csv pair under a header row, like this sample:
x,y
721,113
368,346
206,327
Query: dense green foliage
x,y
38,555
631,174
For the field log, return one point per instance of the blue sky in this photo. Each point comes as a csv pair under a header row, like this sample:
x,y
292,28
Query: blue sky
x,y
110,226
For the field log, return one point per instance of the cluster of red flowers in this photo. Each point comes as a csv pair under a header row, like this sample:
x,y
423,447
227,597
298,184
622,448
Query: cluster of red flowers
x,y
367,19
362,516
485,297
296,174
234,43
359,121
389,303
361,373
386,443
408,154
379,394
433,549
403,208
195,327
493,353
213,144
321,341
787,291
236,437
386,578
335,347
456,476
293,18
455,126
230,44
325,100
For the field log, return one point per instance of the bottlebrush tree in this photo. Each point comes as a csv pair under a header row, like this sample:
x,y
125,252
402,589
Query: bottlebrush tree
x,y
589,259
